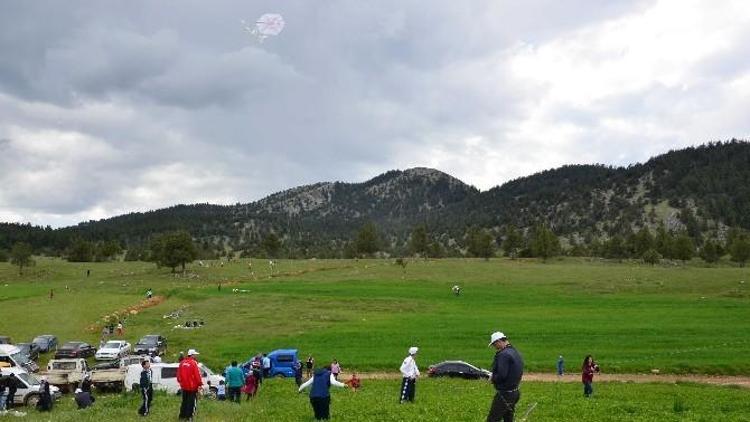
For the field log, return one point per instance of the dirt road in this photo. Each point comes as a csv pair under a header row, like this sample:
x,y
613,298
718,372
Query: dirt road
x,y
743,381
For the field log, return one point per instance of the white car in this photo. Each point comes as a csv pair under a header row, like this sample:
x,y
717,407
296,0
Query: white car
x,y
27,387
113,349
164,377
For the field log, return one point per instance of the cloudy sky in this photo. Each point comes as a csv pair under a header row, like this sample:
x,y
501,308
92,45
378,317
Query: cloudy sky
x,y
108,107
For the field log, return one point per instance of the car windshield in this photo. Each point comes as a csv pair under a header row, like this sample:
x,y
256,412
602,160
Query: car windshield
x,y
70,346
112,345
20,358
29,379
41,340
64,366
148,340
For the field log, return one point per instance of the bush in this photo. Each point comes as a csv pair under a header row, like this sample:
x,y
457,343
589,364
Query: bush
x,y
651,257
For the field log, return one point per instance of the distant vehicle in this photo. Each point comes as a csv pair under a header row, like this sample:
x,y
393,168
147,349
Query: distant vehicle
x,y
123,362
29,349
457,369
152,344
74,349
27,387
46,342
6,340
11,356
67,373
112,350
110,375
164,377
282,362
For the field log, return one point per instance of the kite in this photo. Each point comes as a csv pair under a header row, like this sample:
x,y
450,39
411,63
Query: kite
x,y
270,24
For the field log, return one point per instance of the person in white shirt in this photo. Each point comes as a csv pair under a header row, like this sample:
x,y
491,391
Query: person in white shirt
x,y
410,373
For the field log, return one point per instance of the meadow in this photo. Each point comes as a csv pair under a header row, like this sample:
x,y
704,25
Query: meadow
x,y
633,318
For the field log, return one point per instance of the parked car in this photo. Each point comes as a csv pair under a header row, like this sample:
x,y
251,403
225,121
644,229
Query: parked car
x,y
282,363
123,362
29,349
112,350
164,377
11,356
152,344
46,342
6,340
74,349
458,369
27,387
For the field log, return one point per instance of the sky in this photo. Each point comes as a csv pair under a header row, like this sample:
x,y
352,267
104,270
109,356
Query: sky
x,y
110,107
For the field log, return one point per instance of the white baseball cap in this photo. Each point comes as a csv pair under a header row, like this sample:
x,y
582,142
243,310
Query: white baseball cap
x,y
78,390
497,335
192,352
413,350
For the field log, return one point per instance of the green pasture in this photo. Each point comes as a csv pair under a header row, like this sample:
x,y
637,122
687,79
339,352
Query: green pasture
x,y
440,400
366,313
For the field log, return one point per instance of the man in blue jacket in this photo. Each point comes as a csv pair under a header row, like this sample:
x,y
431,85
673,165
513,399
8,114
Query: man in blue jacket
x,y
320,397
147,390
507,370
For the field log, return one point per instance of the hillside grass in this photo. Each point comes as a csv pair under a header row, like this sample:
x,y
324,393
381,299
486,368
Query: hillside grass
x,y
366,313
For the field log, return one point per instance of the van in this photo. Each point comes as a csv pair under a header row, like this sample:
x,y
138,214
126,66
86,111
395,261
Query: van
x,y
283,362
11,356
164,377
27,387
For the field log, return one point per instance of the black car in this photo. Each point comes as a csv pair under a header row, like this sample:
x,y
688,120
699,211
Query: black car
x,y
75,349
46,342
29,349
152,344
457,369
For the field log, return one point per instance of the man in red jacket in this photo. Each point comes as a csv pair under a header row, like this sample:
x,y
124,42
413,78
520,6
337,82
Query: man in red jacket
x,y
189,377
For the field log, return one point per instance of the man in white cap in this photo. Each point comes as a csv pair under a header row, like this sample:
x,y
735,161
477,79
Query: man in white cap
x,y
410,373
189,377
507,370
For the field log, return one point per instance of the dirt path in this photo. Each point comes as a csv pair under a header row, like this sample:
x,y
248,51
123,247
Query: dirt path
x,y
743,381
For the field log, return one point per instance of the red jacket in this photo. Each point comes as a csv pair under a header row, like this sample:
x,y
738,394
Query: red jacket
x,y
587,372
189,375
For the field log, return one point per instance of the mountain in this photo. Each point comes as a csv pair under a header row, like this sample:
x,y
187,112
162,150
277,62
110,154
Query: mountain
x,y
702,191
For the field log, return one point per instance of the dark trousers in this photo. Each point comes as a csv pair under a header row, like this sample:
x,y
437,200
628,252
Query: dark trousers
x,y
189,404
147,394
321,407
503,406
235,393
588,389
408,388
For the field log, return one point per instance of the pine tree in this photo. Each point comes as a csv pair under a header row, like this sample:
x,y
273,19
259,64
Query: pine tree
x,y
21,255
513,241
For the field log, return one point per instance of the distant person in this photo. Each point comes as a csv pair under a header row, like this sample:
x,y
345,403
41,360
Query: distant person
x,y
51,293
86,383
3,392
354,382
560,366
45,398
235,380
266,361
155,358
257,370
83,399
149,293
507,370
298,373
309,365
12,388
320,397
221,391
119,329
147,389
456,290
588,369
88,273
335,369
189,378
410,373
251,385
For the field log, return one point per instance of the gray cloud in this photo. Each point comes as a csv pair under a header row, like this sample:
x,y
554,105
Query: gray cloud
x,y
109,107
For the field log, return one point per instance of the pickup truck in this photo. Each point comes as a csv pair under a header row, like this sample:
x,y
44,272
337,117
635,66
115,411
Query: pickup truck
x,y
27,387
67,373
112,376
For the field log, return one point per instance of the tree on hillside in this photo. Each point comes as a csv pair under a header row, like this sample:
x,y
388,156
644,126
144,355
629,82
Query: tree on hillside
x,y
272,245
419,243
513,241
740,249
664,242
367,242
105,251
173,249
81,251
684,248
651,256
479,243
641,241
21,255
544,243
710,252
4,256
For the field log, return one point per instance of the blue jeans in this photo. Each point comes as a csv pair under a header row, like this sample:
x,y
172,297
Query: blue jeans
x,y
587,389
3,398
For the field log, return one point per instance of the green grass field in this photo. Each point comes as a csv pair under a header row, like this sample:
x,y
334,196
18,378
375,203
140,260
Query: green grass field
x,y
631,317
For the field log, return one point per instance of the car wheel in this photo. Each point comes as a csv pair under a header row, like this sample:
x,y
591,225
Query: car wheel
x,y
31,400
212,393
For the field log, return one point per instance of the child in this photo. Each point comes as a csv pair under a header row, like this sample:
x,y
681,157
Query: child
x,y
354,383
221,391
